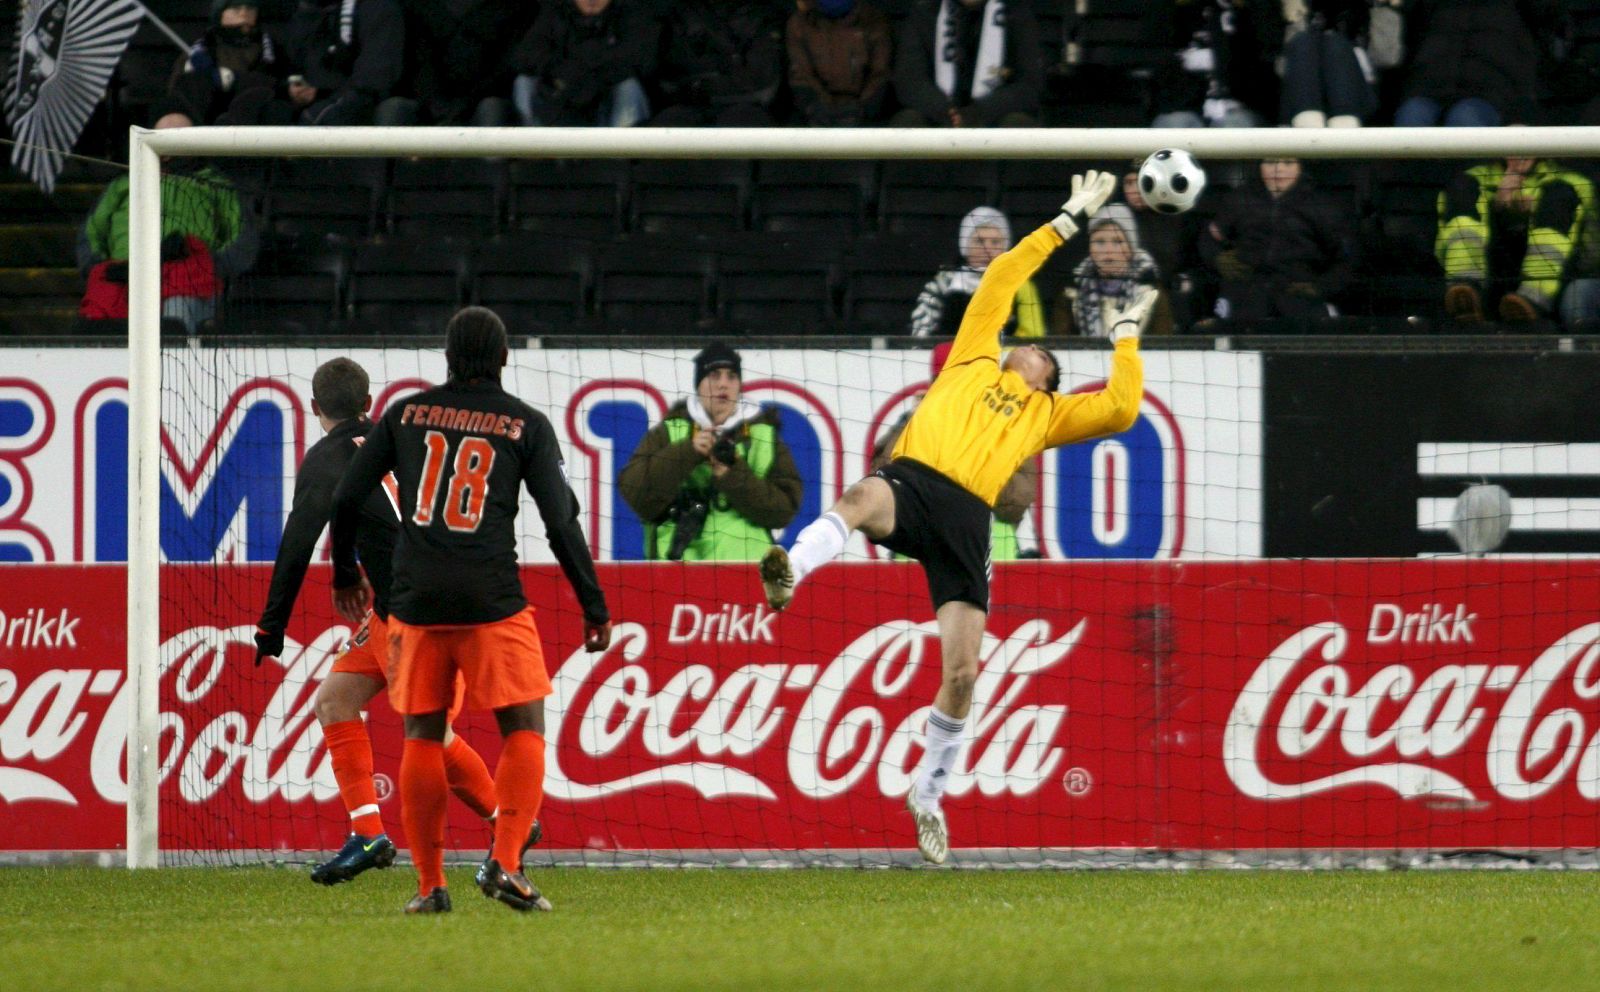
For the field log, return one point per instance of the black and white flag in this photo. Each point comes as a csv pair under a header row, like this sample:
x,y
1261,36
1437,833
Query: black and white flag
x,y
65,53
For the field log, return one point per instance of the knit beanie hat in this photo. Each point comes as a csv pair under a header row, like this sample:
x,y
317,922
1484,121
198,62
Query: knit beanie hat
x,y
983,217
1120,215
713,356
835,9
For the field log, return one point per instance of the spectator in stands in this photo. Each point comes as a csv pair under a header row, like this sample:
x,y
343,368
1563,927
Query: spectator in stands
x,y
1220,73
234,60
458,67
206,237
1280,247
714,479
347,56
968,63
1011,534
1115,268
723,63
1527,215
583,63
1324,81
1169,238
985,236
1476,61
839,57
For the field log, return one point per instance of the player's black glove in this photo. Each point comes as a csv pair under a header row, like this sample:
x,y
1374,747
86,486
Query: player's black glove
x,y
268,645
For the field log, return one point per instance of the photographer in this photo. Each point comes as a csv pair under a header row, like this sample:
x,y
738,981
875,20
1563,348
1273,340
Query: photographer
x,y
714,479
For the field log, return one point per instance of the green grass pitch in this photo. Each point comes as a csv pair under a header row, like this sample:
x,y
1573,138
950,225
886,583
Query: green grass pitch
x,y
83,928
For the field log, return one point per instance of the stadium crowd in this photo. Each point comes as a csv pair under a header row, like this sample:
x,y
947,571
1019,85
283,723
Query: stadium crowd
x,y
1274,246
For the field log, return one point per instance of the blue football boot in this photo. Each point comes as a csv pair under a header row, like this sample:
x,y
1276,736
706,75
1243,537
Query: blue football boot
x,y
356,856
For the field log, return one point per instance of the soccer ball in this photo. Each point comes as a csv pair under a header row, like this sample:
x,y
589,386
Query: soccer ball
x,y
1171,180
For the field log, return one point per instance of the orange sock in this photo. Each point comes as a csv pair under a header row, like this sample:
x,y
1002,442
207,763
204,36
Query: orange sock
x,y
423,794
351,752
469,777
519,782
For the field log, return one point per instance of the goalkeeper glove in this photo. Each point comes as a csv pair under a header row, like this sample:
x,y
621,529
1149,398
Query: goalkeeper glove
x,y
1130,319
268,645
1090,192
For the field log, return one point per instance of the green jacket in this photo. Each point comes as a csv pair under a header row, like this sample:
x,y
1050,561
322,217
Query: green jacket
x,y
760,493
203,203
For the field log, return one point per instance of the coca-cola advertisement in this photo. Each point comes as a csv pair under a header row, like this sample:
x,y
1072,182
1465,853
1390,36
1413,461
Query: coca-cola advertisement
x,y
1201,706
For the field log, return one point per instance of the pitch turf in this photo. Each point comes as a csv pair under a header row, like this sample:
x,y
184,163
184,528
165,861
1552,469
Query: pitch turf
x,y
265,928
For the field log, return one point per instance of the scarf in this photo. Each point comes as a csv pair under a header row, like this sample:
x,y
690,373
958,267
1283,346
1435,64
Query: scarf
x,y
986,75
1095,291
746,410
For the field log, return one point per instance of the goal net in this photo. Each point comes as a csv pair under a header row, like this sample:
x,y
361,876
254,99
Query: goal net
x,y
1239,631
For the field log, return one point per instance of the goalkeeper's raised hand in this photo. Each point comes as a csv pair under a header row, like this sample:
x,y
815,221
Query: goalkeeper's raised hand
x,y
1130,319
1090,192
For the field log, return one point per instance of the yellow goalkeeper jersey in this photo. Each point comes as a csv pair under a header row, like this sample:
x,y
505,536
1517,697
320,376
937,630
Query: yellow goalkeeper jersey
x,y
978,422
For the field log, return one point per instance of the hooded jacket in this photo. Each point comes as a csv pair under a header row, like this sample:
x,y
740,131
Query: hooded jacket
x,y
760,493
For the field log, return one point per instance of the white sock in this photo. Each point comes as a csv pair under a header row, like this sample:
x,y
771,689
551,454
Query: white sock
x,y
819,543
1344,120
941,744
1309,118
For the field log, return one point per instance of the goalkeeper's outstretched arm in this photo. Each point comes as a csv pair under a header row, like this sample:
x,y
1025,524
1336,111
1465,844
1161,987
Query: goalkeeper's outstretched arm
x,y
991,305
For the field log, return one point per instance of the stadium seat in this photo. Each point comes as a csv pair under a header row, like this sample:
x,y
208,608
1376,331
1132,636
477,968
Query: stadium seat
x,y
452,197
767,285
882,278
689,197
325,196
583,199
653,286
293,289
406,285
1102,78
1398,269
831,199
930,198
537,284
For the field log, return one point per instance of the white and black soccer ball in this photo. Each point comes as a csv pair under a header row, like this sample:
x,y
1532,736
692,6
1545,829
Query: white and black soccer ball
x,y
1171,181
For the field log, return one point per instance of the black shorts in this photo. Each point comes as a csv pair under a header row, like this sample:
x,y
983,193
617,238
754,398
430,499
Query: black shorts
x,y
942,526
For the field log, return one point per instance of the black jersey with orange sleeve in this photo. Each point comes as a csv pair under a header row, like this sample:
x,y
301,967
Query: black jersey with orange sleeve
x,y
460,453
314,486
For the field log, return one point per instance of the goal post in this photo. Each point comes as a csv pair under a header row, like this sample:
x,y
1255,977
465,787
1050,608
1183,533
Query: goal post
x,y
147,148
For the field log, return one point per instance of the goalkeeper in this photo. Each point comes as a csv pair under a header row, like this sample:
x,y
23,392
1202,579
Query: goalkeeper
x,y
981,419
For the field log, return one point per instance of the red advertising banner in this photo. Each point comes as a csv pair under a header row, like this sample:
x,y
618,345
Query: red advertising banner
x,y
1228,706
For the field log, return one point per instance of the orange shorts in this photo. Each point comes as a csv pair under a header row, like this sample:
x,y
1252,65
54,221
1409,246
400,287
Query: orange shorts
x,y
503,663
367,653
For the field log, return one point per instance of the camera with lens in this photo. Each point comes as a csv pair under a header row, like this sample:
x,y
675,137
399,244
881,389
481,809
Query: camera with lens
x,y
724,450
688,515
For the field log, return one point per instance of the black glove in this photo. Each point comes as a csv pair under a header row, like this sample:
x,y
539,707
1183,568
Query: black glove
x,y
174,247
268,645
117,272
